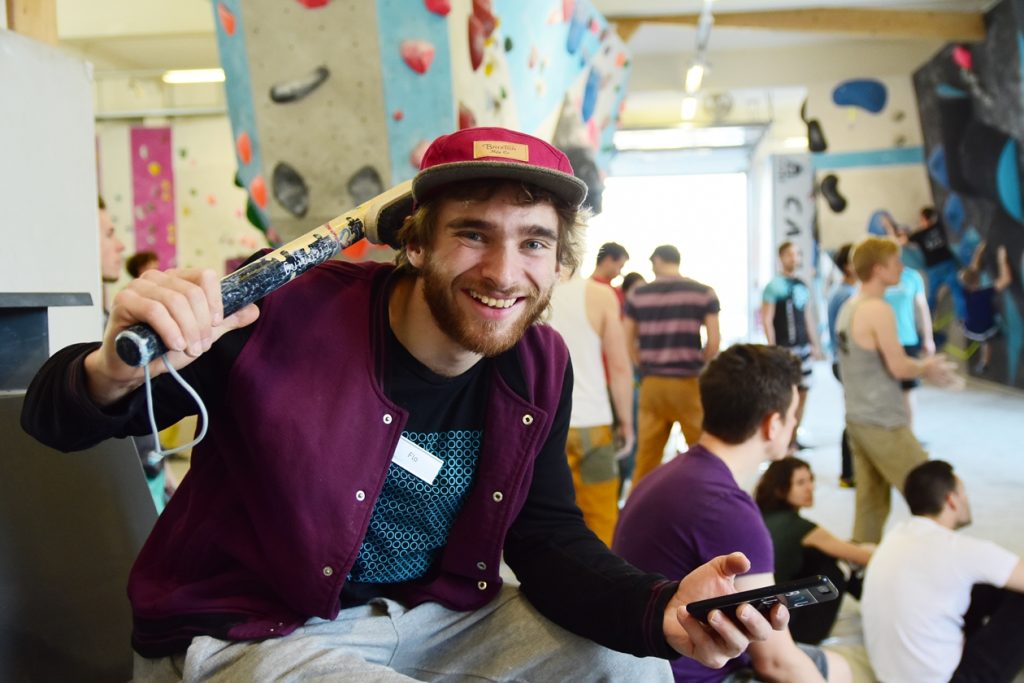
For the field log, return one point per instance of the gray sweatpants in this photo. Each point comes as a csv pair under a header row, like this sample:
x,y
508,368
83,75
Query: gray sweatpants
x,y
508,640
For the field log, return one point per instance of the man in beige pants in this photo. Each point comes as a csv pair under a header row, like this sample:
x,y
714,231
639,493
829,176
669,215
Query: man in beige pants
x,y
872,362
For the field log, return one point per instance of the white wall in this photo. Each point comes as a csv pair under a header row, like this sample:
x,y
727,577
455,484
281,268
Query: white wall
x,y
900,188
48,213
209,208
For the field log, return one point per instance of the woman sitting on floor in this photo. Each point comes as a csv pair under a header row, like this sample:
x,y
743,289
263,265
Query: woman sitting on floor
x,y
802,548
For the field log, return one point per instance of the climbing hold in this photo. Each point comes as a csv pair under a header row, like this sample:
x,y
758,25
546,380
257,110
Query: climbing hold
x,y
477,40
962,58
290,190
295,90
441,7
466,117
417,54
830,191
258,190
243,145
937,166
590,94
227,19
364,185
867,93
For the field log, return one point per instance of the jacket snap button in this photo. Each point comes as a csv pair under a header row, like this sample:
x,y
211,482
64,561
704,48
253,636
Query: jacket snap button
x,y
497,496
387,418
482,585
481,566
527,420
360,496
328,571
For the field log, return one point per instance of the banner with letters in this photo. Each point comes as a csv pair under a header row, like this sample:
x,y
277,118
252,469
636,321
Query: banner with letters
x,y
793,207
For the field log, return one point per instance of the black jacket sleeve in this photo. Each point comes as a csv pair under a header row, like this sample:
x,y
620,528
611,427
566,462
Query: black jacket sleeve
x,y
569,574
59,413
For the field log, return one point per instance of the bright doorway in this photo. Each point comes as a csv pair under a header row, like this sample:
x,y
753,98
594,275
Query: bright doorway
x,y
704,216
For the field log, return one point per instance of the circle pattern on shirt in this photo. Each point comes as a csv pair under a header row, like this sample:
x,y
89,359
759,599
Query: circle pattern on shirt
x,y
412,518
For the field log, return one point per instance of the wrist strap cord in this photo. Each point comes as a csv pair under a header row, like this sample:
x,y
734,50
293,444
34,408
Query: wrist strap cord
x,y
156,456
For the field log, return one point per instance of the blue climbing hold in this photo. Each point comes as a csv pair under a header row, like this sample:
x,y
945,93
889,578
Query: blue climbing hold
x,y
1008,181
948,92
577,29
937,166
590,94
953,214
967,245
866,93
875,225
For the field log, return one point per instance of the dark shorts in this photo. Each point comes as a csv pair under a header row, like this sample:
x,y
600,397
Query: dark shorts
x,y
913,352
803,353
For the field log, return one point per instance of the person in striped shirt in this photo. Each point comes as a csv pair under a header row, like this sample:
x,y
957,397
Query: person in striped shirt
x,y
663,327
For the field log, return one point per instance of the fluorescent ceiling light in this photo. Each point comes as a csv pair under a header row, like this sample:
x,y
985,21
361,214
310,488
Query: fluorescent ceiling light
x,y
799,142
684,137
194,76
689,109
694,77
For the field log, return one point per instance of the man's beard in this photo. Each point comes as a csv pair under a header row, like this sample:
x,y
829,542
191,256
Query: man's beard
x,y
479,336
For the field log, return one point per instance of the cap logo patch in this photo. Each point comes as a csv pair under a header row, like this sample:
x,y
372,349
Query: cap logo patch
x,y
496,148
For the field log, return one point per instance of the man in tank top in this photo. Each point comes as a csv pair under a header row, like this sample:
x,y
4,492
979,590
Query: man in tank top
x,y
586,313
872,363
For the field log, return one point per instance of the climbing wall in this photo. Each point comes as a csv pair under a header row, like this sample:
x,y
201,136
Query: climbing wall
x,y
867,155
331,102
972,115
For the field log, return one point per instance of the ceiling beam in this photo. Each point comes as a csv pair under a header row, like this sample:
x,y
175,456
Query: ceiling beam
x,y
875,23
33,18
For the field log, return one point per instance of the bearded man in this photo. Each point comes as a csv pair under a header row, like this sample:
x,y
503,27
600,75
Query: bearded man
x,y
380,439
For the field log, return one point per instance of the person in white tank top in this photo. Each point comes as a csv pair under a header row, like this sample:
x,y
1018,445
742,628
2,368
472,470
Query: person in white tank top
x,y
586,314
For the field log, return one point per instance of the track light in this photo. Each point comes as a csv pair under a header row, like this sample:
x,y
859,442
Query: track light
x,y
193,76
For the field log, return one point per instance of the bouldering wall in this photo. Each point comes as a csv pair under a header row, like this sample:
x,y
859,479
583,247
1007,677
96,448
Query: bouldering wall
x,y
972,115
330,102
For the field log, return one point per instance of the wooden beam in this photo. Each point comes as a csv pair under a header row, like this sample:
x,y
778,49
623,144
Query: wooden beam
x,y
875,23
627,29
33,18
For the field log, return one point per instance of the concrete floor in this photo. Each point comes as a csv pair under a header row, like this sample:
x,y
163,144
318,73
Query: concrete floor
x,y
980,430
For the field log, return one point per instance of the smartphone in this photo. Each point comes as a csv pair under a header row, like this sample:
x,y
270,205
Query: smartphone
x,y
793,594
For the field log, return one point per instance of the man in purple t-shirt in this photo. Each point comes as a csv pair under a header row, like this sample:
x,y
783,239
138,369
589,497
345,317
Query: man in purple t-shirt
x,y
661,530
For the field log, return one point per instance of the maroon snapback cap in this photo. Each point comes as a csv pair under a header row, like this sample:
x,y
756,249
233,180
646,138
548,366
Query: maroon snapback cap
x,y
499,153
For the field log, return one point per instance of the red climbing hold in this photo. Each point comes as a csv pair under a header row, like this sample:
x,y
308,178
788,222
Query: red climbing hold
x,y
244,147
227,19
313,4
482,11
417,54
398,115
568,7
466,117
258,190
962,57
442,7
477,40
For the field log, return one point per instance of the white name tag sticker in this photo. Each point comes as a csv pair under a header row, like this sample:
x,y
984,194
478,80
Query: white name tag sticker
x,y
417,461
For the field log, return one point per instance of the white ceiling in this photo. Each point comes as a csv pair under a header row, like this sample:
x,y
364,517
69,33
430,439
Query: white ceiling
x,y
146,37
